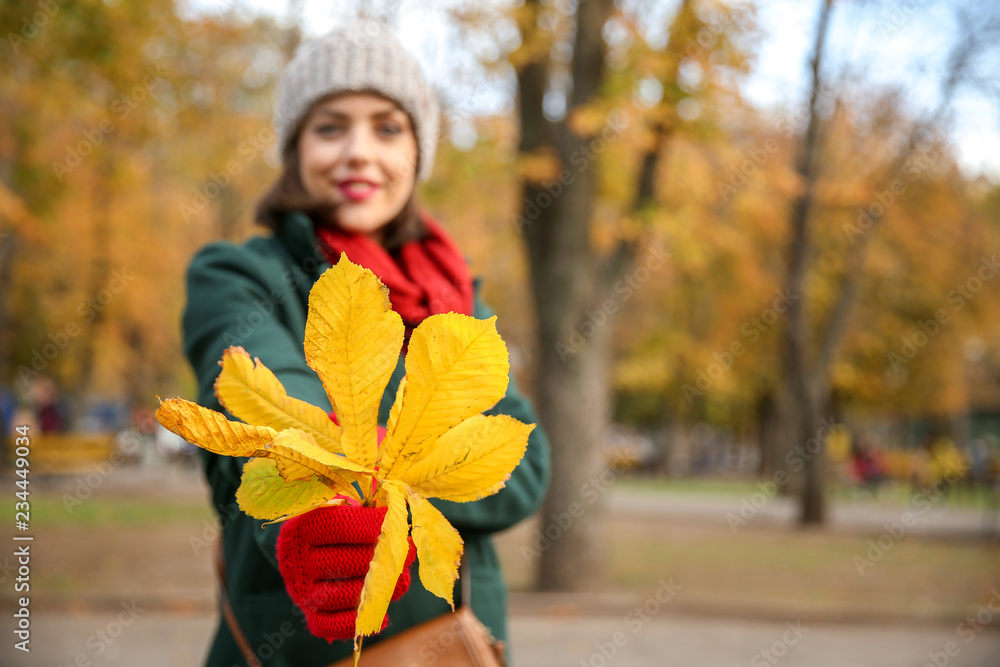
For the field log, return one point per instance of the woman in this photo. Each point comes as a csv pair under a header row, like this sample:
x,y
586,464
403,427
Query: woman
x,y
357,127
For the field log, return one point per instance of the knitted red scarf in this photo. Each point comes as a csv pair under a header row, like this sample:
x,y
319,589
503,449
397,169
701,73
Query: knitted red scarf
x,y
424,277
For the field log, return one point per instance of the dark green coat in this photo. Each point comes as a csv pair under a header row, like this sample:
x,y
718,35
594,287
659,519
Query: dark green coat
x,y
255,295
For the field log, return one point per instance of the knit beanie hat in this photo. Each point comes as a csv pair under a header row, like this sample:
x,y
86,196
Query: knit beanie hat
x,y
363,56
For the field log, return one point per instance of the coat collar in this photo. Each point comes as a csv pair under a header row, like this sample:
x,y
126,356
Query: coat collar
x,y
297,234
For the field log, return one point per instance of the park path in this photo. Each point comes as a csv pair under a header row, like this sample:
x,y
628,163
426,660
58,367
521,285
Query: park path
x,y
544,630
757,509
157,639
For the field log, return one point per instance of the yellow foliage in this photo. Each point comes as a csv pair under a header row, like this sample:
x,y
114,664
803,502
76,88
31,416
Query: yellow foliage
x,y
264,491
252,393
352,341
437,443
540,166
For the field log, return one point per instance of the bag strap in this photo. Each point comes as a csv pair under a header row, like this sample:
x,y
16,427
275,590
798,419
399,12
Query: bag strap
x,y
227,610
466,580
499,647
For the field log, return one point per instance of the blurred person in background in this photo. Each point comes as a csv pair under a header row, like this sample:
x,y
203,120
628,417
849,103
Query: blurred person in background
x,y
868,463
45,400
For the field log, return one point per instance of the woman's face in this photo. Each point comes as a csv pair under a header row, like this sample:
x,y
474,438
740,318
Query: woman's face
x,y
358,152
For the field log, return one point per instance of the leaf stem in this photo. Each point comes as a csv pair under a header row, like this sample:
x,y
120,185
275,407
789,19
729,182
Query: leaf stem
x,y
357,650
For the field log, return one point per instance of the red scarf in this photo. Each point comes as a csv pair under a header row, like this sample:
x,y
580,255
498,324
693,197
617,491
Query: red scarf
x,y
424,277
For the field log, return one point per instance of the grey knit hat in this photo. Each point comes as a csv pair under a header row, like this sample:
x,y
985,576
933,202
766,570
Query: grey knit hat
x,y
360,56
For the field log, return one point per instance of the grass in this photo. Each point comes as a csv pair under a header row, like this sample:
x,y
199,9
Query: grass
x,y
119,545
54,512
893,493
700,486
787,571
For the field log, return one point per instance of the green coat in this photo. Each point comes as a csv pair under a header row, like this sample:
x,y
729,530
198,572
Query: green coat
x,y
255,295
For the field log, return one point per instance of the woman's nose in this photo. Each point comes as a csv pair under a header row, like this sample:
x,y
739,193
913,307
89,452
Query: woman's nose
x,y
360,144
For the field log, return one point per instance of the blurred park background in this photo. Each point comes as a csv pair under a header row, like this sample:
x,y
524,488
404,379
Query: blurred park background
x,y
743,256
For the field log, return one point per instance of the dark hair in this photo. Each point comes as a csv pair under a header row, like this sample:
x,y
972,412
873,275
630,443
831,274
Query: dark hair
x,y
288,194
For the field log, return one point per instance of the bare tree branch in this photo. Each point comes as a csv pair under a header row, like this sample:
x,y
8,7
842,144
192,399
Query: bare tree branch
x,y
959,64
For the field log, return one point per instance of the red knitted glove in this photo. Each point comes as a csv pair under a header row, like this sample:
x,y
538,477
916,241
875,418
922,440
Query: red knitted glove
x,y
324,556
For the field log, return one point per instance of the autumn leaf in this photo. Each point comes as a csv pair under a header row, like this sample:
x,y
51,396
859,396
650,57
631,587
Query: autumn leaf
x,y
439,547
212,431
263,494
437,442
456,367
470,461
251,393
387,561
353,341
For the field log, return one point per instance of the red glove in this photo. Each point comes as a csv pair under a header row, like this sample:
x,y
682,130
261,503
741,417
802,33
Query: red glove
x,y
324,556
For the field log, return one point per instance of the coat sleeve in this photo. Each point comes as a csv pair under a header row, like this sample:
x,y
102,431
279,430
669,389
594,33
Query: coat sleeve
x,y
528,484
240,297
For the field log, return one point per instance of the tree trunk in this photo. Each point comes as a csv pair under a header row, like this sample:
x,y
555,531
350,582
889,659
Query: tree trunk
x,y
808,395
566,279
574,397
98,275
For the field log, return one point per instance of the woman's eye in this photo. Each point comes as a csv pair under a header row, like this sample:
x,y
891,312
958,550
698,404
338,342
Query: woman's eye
x,y
390,129
328,129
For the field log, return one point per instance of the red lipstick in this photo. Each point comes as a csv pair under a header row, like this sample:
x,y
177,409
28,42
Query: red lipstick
x,y
357,189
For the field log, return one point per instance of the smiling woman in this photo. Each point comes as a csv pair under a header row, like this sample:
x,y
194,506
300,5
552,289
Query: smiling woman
x,y
358,154
352,164
357,127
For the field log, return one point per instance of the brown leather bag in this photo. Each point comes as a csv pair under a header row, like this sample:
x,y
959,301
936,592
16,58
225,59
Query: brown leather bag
x,y
454,639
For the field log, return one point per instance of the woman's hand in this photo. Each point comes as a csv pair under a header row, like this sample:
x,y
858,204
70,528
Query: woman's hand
x,y
324,556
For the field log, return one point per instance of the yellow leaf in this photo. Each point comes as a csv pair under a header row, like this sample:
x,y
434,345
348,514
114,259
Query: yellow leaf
x,y
397,405
353,340
471,461
263,494
211,430
252,393
439,548
387,563
456,367
298,457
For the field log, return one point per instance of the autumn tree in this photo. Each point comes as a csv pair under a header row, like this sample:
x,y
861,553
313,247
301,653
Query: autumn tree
x,y
814,333
132,137
585,75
